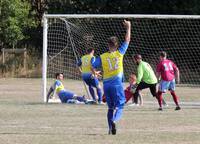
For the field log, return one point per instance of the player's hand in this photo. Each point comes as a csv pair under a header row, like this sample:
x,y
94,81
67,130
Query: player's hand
x,y
133,88
98,74
127,24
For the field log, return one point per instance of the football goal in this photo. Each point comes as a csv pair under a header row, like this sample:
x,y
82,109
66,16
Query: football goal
x,y
66,38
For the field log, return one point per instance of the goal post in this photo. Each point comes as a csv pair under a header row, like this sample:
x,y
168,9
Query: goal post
x,y
44,62
66,38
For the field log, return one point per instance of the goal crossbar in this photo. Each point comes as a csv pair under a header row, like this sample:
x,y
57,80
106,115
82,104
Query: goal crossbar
x,y
121,16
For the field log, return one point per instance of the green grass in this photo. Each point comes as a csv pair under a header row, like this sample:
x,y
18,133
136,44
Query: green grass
x,y
25,119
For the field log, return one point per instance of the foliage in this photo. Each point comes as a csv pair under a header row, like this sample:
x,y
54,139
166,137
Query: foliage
x,y
21,20
15,19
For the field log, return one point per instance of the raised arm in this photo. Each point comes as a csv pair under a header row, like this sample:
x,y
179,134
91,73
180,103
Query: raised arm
x,y
127,25
123,48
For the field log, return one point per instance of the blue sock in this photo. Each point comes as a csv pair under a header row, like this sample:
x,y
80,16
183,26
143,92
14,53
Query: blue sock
x,y
80,98
92,93
118,114
110,117
99,93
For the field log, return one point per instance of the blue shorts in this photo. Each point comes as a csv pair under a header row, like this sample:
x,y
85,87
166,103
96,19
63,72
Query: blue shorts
x,y
115,96
65,96
167,85
90,80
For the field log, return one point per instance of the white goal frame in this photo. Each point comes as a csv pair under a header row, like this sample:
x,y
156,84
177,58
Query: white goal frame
x,y
48,16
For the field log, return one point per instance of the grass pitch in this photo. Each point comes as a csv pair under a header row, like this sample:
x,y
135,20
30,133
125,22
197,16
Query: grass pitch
x,y
24,119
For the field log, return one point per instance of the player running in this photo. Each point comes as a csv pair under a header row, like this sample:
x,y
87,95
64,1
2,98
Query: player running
x,y
146,78
89,78
64,95
112,65
167,70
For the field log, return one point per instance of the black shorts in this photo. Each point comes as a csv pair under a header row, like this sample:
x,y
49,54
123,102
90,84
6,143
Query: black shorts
x,y
152,87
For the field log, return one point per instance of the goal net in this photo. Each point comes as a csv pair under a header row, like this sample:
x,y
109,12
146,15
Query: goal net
x,y
66,38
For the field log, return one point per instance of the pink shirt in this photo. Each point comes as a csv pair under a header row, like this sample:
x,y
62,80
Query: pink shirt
x,y
166,68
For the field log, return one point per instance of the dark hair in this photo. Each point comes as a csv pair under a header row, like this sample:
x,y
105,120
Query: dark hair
x,y
90,50
113,42
137,56
163,54
57,74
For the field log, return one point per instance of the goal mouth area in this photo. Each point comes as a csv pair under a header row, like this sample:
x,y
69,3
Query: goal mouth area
x,y
67,37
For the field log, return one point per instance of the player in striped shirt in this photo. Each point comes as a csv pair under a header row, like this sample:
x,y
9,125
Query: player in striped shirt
x,y
112,65
167,70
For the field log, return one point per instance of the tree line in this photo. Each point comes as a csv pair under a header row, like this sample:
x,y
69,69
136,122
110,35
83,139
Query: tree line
x,y
21,20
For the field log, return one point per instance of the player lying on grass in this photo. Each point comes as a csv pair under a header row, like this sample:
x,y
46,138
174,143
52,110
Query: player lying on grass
x,y
167,70
64,95
146,78
130,90
112,64
90,79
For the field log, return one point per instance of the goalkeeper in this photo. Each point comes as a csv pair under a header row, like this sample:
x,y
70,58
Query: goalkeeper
x,y
85,65
64,95
146,78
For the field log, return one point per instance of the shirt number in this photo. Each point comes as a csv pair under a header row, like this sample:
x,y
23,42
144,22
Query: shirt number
x,y
168,67
85,62
113,63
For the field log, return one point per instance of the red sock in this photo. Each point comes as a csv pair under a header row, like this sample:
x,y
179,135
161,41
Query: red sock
x,y
104,98
128,95
175,97
159,98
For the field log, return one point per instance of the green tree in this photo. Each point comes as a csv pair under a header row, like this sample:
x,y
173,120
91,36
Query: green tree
x,y
15,19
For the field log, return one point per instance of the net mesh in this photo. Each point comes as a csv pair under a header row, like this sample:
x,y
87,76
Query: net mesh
x,y
68,39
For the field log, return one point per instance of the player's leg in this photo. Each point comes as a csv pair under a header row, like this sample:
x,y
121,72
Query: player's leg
x,y
140,99
99,93
104,98
88,81
79,98
92,93
110,103
65,96
140,87
119,101
163,101
163,86
96,84
175,97
109,118
128,95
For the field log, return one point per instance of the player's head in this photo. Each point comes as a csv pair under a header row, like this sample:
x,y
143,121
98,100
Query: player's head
x,y
163,55
137,58
132,78
113,43
90,51
59,76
